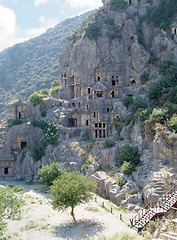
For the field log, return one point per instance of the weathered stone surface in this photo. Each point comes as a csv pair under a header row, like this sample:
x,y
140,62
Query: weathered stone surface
x,y
109,157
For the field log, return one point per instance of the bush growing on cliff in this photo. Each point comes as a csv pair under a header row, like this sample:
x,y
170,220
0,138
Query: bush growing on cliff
x,y
49,173
85,166
37,152
138,103
127,101
92,31
127,168
163,15
13,122
36,98
144,77
165,89
116,4
172,123
109,143
159,115
129,153
49,128
120,182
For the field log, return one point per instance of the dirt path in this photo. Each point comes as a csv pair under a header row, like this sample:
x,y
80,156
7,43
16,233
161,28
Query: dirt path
x,y
40,221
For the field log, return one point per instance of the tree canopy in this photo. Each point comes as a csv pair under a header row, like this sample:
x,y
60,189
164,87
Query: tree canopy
x,y
50,172
70,190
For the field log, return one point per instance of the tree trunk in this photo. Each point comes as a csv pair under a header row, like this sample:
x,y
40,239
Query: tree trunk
x,y
72,214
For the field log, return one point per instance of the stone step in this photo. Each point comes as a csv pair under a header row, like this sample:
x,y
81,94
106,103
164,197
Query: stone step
x,y
168,236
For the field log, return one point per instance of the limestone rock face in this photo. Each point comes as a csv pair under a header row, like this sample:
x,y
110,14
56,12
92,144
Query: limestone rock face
x,y
18,135
96,73
164,149
108,187
109,158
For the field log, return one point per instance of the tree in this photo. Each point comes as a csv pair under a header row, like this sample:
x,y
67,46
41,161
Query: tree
x,y
70,190
50,172
36,98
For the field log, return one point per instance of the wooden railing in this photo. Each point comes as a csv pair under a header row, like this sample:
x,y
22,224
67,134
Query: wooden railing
x,y
153,205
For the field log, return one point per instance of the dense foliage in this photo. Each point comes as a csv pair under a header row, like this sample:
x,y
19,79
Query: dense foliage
x,y
127,168
13,122
70,190
135,103
49,128
163,94
37,152
36,99
163,90
117,4
127,101
92,30
30,66
85,166
163,15
128,158
129,153
48,173
109,143
144,77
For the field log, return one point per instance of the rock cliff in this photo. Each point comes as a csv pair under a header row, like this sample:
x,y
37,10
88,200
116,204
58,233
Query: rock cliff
x,y
107,70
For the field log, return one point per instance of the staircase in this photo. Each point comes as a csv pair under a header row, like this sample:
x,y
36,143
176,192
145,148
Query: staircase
x,y
154,209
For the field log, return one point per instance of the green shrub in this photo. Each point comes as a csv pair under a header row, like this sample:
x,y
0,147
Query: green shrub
x,y
163,15
172,95
114,35
38,123
138,103
85,167
155,91
37,152
127,101
73,37
44,91
51,133
166,66
172,123
120,182
109,143
92,31
109,21
117,4
55,83
144,77
127,168
43,113
158,115
13,122
36,99
129,153
144,114
55,90
48,173
50,130
165,89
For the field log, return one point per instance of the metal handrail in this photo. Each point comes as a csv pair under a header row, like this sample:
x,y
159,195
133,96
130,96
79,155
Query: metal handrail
x,y
155,205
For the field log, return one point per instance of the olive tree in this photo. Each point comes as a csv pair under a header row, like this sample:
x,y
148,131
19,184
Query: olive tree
x,y
70,190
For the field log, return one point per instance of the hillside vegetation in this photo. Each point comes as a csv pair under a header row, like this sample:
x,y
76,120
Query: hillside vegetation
x,y
34,64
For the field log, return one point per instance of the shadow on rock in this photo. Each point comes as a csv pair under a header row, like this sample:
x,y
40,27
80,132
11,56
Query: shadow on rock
x,y
80,230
